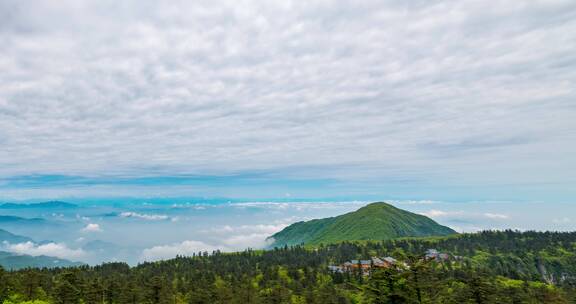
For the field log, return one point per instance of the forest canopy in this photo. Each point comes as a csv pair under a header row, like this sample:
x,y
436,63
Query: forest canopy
x,y
485,267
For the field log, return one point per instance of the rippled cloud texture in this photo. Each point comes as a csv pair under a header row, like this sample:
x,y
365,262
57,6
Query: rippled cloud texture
x,y
413,99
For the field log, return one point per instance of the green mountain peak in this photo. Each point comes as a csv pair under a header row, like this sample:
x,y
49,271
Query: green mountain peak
x,y
375,221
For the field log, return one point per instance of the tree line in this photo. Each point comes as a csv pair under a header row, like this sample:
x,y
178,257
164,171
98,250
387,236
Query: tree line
x,y
496,267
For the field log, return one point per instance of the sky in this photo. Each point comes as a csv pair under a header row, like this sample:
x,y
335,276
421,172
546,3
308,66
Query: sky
x,y
344,100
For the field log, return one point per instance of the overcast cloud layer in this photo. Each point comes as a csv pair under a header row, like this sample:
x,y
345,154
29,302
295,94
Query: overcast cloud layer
x,y
435,99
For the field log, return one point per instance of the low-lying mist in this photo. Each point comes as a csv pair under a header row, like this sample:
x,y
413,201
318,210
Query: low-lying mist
x,y
136,232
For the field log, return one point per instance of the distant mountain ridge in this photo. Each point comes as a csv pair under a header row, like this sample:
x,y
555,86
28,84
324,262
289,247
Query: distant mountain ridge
x,y
11,219
42,205
6,236
376,221
13,261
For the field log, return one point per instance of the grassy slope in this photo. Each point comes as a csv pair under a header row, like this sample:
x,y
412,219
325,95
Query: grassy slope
x,y
377,221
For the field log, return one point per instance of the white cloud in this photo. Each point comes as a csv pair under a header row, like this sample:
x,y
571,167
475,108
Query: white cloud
x,y
441,213
269,229
293,89
225,238
59,250
170,251
300,205
195,206
219,230
92,227
243,241
563,220
244,229
149,217
497,216
412,202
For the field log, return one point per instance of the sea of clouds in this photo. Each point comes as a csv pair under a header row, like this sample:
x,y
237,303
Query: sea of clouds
x,y
139,232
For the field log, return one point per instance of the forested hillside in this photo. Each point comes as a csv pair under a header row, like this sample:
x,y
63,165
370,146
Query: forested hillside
x,y
375,221
487,267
